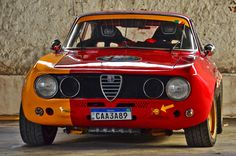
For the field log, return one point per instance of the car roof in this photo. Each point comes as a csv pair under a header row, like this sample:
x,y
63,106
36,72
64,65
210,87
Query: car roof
x,y
139,12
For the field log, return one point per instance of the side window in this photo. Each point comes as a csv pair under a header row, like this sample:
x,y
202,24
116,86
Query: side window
x,y
196,36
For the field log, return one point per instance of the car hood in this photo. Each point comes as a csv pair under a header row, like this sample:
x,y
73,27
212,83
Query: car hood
x,y
119,59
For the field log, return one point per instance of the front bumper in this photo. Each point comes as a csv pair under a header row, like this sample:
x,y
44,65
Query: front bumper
x,y
145,113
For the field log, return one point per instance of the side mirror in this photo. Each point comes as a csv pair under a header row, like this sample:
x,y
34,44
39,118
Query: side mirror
x,y
209,49
56,45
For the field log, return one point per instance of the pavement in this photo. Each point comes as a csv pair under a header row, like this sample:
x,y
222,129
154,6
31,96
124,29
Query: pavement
x,y
94,145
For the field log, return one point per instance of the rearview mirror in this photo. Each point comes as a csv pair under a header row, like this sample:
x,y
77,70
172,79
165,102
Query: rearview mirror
x,y
209,49
56,45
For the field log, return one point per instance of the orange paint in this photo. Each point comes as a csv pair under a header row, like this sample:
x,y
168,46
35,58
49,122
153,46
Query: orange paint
x,y
134,16
30,100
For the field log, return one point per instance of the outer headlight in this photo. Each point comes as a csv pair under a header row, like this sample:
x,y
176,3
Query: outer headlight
x,y
178,89
46,86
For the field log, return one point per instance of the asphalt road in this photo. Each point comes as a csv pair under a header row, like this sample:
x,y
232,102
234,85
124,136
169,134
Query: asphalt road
x,y
89,145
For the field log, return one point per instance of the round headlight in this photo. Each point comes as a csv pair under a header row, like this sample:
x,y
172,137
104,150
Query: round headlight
x,y
153,88
178,89
46,86
69,87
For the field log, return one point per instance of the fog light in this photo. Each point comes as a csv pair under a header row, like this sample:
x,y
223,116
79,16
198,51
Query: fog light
x,y
39,111
189,113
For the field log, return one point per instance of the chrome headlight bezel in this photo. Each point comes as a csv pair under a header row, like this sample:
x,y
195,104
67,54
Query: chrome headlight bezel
x,y
62,91
43,78
185,95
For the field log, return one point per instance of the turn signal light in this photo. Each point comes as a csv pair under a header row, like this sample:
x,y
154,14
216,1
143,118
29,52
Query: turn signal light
x,y
39,111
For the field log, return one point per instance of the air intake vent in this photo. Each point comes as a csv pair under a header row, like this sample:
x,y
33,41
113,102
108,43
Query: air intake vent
x,y
110,86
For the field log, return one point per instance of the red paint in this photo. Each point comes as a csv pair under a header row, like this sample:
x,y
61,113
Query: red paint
x,y
87,60
197,69
192,67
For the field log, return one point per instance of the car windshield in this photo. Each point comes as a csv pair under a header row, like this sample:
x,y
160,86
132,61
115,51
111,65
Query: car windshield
x,y
134,33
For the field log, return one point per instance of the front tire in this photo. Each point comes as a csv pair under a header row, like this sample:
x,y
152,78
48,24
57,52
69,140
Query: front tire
x,y
35,134
219,110
204,134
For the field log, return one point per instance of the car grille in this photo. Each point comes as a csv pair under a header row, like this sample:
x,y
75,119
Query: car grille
x,y
110,86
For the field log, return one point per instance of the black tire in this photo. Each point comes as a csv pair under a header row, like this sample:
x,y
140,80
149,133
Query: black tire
x,y
202,135
35,134
219,102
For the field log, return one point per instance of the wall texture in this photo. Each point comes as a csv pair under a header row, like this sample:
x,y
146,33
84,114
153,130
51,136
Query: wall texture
x,y
27,27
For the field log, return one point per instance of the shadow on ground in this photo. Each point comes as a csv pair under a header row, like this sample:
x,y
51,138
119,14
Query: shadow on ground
x,y
64,144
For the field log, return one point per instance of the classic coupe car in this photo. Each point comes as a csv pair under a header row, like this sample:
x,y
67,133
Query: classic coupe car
x,y
125,73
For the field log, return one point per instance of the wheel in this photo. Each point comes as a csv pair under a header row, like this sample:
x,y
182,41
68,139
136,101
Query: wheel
x,y
35,134
219,110
204,134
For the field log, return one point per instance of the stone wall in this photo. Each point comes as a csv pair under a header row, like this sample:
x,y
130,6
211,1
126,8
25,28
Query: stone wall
x,y
27,27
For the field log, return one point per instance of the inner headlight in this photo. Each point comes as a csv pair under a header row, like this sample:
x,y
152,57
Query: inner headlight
x,y
178,89
46,86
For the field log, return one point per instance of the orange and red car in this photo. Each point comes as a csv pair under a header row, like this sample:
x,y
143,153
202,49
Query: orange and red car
x,y
125,72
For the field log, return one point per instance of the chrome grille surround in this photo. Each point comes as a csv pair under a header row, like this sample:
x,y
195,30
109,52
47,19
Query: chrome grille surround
x,y
110,85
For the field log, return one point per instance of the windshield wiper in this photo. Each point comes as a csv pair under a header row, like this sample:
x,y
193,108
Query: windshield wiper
x,y
175,45
177,41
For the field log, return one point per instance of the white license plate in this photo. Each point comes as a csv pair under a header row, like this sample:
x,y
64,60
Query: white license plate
x,y
111,114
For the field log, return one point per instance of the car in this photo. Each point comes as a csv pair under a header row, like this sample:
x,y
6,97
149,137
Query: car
x,y
125,72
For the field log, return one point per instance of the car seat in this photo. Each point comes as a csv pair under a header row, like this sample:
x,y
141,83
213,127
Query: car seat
x,y
107,34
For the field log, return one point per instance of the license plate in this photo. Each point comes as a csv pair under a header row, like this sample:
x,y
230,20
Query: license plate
x,y
111,114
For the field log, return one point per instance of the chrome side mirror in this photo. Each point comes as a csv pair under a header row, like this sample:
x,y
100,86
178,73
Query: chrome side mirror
x,y
209,49
56,46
